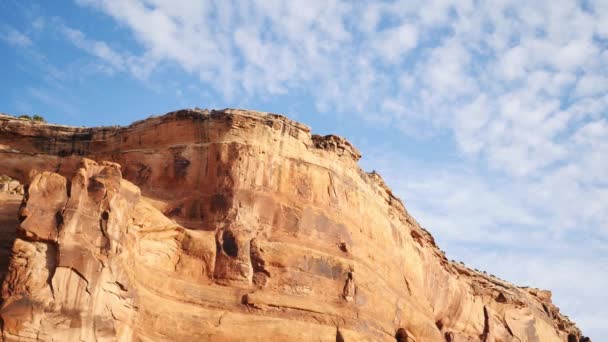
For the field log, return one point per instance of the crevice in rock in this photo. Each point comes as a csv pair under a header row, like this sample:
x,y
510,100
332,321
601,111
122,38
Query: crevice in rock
x,y
504,322
486,325
52,255
439,325
68,187
103,227
401,335
9,230
339,336
59,219
407,283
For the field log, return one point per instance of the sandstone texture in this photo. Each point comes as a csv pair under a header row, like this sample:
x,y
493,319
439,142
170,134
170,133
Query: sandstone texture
x,y
10,186
230,225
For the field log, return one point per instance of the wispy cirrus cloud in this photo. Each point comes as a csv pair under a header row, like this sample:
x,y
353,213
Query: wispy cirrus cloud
x,y
95,48
15,37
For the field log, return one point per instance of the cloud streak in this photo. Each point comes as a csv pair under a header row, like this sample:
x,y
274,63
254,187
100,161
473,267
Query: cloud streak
x,y
16,38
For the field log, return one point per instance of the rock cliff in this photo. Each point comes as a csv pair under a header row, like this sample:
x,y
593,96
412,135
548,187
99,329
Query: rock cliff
x,y
231,225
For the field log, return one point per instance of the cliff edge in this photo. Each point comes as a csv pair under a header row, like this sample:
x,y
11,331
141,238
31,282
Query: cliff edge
x,y
231,225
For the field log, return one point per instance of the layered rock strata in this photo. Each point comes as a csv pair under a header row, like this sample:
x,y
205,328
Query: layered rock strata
x,y
233,225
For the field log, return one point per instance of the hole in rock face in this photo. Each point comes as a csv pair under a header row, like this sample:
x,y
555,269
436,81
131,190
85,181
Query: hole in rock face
x,y
180,167
572,338
401,335
229,244
105,216
58,219
501,298
439,324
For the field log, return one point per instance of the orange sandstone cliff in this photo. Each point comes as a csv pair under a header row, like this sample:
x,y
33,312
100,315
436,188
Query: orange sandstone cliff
x,y
230,225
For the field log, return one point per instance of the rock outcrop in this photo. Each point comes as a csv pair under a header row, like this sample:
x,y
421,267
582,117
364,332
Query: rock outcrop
x,y
232,225
10,186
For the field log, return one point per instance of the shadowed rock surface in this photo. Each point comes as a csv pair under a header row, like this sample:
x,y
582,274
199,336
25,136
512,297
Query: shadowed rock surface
x,y
232,225
9,207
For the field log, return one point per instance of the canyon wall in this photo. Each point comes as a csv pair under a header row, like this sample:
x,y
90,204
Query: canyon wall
x,y
232,225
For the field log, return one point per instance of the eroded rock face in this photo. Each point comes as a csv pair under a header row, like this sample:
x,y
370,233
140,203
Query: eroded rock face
x,y
10,186
246,227
9,208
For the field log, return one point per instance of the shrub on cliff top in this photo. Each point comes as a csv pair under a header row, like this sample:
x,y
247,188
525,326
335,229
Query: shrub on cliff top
x,y
36,117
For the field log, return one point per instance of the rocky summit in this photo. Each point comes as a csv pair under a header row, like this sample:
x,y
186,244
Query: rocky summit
x,y
229,225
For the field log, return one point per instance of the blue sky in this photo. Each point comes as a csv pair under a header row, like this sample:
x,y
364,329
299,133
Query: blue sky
x,y
489,119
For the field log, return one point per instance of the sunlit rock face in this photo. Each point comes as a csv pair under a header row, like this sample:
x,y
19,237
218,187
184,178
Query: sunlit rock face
x,y
231,225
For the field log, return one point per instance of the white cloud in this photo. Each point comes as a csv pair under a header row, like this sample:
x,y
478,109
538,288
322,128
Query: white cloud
x,y
96,48
513,63
447,71
472,118
16,38
39,23
394,43
591,85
